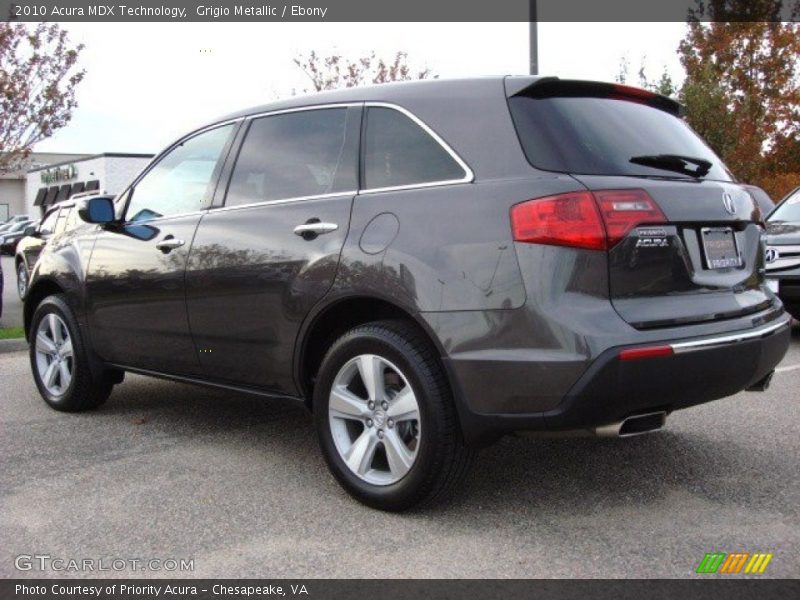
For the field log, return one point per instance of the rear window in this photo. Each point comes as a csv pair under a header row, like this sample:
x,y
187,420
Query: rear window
x,y
294,155
398,152
599,136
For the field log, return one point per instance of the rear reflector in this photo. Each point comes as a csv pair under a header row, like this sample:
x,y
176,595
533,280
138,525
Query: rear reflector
x,y
592,220
648,352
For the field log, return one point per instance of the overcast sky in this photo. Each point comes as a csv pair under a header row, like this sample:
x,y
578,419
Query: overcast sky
x,y
147,83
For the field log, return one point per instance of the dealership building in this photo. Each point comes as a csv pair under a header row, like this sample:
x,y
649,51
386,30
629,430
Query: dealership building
x,y
49,177
107,173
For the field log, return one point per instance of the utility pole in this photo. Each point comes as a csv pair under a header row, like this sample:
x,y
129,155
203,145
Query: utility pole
x,y
534,40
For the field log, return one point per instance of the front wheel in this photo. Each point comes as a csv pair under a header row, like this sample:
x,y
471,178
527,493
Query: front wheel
x,y
385,418
60,360
22,280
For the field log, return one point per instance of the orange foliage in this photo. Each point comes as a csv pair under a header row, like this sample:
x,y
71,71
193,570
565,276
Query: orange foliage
x,y
742,91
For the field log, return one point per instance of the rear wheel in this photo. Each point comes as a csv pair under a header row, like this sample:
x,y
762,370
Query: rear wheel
x,y
60,360
385,418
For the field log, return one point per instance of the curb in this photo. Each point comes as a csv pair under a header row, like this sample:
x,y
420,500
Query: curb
x,y
17,345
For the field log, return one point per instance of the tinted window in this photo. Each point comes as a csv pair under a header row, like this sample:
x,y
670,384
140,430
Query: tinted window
x,y
397,152
599,136
181,180
293,155
49,222
789,210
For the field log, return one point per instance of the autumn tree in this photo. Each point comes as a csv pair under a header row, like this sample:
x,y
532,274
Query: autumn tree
x,y
335,71
664,85
38,77
742,88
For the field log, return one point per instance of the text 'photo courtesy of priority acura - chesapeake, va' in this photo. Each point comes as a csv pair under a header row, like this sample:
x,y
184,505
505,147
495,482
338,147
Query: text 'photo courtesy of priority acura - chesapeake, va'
x,y
427,266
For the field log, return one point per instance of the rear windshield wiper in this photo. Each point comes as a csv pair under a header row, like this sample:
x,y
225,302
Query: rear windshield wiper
x,y
689,165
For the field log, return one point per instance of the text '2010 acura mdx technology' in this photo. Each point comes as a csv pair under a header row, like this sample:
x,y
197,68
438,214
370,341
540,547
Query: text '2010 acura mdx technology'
x,y
426,265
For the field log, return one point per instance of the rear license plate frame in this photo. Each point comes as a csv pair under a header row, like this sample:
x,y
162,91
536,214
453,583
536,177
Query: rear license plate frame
x,y
716,262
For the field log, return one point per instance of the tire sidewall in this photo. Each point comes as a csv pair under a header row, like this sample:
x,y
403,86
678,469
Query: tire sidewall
x,y
371,341
54,304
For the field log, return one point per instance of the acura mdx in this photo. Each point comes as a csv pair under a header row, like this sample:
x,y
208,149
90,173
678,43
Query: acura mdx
x,y
426,266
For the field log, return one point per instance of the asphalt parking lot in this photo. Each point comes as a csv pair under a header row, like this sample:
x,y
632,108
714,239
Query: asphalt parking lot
x,y
165,470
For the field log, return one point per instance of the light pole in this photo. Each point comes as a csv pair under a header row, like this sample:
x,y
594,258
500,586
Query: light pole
x,y
534,40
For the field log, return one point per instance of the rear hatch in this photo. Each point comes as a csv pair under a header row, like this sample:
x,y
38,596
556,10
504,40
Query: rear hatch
x,y
683,239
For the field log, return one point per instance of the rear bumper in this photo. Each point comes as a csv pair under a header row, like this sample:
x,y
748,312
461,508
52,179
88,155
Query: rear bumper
x,y
610,389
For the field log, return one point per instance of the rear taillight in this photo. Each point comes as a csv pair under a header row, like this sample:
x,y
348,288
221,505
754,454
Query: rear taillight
x,y
623,210
592,220
563,220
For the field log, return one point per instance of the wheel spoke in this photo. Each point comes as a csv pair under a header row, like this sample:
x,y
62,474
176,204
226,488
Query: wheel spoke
x,y
359,457
50,374
44,344
66,348
400,458
54,327
66,376
345,404
371,368
403,407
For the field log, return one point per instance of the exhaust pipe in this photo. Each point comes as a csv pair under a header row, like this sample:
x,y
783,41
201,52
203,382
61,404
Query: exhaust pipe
x,y
762,384
634,425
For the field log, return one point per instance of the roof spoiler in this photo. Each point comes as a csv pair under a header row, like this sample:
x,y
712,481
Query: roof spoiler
x,y
550,87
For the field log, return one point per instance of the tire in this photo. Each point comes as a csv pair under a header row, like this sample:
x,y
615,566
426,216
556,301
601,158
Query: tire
x,y
22,280
82,389
794,310
415,461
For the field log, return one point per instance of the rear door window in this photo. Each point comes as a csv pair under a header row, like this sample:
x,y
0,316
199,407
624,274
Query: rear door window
x,y
399,152
600,136
295,155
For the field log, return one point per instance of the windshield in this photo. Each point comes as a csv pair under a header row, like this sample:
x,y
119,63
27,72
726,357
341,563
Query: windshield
x,y
601,136
789,210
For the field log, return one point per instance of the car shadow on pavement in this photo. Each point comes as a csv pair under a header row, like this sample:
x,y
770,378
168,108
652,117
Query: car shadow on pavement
x,y
555,476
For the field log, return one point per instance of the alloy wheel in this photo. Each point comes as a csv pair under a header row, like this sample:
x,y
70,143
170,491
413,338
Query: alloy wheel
x,y
374,418
22,280
55,361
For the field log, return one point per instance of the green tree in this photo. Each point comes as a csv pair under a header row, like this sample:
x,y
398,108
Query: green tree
x,y
38,77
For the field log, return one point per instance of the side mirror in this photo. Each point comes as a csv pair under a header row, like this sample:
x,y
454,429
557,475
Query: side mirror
x,y
97,210
30,231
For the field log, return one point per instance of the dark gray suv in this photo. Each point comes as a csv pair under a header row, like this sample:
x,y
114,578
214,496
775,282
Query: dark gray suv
x,y
427,266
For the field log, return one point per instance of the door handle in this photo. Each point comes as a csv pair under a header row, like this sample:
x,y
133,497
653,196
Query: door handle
x,y
168,244
314,229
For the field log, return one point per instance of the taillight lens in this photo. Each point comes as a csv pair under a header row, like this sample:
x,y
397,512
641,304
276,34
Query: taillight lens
x,y
592,220
563,220
623,210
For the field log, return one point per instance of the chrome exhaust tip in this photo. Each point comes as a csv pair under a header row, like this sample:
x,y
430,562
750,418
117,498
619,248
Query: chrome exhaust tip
x,y
633,425
762,385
